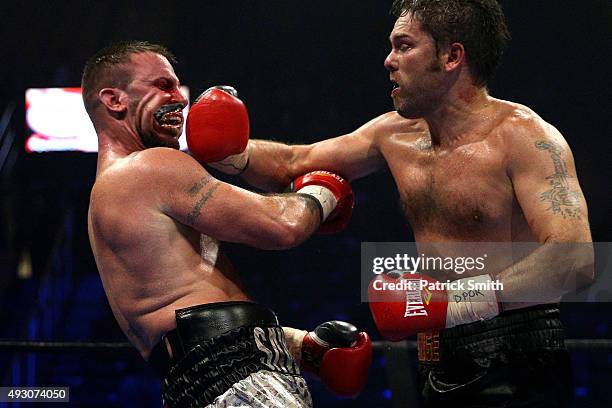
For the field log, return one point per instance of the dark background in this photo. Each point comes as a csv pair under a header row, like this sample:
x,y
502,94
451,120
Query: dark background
x,y
307,70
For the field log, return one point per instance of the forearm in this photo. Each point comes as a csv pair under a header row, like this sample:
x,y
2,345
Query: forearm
x,y
292,220
546,274
295,338
272,165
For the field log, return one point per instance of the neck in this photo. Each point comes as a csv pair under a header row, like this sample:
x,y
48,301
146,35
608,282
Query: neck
x,y
116,143
458,114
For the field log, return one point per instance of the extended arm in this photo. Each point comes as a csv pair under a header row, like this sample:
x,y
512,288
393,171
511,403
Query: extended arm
x,y
217,131
273,165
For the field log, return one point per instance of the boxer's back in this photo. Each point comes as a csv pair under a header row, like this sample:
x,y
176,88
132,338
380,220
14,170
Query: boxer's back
x,y
149,263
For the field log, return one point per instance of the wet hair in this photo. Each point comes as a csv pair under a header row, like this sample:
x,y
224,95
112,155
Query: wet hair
x,y
107,68
477,24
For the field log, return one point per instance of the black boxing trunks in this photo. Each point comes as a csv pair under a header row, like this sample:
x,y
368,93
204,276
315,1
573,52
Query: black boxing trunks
x,y
229,354
517,359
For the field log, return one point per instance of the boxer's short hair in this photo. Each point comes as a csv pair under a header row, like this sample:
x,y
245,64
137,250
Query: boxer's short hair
x,y
106,68
477,24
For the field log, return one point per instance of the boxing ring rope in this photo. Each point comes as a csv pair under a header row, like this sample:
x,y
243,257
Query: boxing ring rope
x,y
22,346
395,353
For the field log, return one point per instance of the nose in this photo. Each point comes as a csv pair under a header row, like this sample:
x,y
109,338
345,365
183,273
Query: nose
x,y
178,97
391,62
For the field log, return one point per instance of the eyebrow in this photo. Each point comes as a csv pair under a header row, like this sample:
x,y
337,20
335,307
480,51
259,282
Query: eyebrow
x,y
401,36
166,78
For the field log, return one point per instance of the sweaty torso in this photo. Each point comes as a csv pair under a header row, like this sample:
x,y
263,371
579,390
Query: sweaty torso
x,y
150,264
457,194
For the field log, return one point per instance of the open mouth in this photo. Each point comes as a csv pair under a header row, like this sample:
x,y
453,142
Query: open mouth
x,y
170,115
395,87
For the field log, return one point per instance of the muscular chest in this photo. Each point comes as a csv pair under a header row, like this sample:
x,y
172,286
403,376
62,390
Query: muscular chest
x,y
453,193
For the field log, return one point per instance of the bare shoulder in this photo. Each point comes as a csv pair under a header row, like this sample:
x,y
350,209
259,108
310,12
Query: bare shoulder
x,y
157,158
520,125
151,162
529,141
391,125
143,173
392,122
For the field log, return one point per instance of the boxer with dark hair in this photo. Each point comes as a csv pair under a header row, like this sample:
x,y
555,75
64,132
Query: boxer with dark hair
x,y
156,217
469,168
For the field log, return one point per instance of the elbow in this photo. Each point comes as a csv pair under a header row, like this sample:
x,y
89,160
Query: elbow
x,y
274,235
582,270
296,163
286,234
587,254
586,275
289,235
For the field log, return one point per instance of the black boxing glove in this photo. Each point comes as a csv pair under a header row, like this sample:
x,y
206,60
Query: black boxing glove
x,y
340,355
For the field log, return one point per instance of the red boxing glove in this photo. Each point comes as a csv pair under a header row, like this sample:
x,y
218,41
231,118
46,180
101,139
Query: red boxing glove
x,y
401,308
334,195
405,305
339,355
217,125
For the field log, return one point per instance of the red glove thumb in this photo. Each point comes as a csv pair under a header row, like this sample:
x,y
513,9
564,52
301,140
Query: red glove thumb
x,y
344,371
217,126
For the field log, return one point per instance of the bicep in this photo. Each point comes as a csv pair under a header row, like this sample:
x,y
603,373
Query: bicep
x,y
352,156
547,188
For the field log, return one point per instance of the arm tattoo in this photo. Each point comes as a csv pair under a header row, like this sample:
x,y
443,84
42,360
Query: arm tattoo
x,y
195,212
195,189
562,199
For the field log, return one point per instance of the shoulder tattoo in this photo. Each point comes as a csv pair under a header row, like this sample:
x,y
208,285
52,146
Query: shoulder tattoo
x,y
561,197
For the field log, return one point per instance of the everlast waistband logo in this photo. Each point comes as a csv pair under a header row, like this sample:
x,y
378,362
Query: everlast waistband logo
x,y
414,300
428,345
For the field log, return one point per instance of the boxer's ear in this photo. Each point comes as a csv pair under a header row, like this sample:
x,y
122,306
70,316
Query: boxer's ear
x,y
453,57
113,99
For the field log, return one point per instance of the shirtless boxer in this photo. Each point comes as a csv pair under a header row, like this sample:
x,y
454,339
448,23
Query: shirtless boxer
x,y
469,168
155,218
